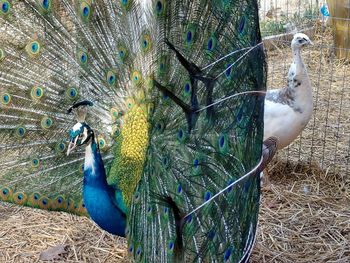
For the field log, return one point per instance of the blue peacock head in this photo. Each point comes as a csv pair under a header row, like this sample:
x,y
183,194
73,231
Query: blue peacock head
x,y
81,133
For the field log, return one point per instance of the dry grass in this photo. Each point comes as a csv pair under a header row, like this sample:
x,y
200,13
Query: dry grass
x,y
304,218
26,232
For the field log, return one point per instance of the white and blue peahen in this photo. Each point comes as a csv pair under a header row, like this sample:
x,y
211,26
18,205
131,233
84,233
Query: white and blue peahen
x,y
169,154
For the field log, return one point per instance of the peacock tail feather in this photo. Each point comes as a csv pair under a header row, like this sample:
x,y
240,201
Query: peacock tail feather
x,y
163,76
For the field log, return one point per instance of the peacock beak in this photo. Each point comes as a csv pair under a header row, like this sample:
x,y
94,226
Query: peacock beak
x,y
72,145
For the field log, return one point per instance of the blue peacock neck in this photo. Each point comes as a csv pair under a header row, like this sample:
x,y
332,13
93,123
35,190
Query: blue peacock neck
x,y
101,200
94,171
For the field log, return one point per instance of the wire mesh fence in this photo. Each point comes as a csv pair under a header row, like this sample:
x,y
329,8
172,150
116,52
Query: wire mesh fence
x,y
326,139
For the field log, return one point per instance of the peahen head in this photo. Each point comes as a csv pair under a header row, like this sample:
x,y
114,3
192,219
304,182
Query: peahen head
x,y
80,134
300,40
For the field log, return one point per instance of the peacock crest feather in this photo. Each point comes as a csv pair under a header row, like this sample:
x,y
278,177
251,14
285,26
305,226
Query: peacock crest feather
x,y
174,139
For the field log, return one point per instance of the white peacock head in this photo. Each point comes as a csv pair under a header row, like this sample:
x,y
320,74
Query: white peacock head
x,y
301,40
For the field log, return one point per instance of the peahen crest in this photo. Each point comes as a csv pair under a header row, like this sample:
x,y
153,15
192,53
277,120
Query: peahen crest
x,y
175,139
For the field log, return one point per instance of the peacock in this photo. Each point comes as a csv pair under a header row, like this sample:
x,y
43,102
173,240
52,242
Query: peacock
x,y
146,116
289,109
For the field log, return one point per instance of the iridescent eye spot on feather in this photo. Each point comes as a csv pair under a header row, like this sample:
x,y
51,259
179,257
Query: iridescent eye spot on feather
x,y
80,209
246,186
190,35
207,196
36,196
162,66
127,232
231,181
228,71
138,253
165,162
33,48
182,135
58,203
211,44
130,103
136,77
83,58
137,197
196,163
45,5
70,205
196,166
187,89
102,143
37,93
6,99
179,189
146,42
239,116
46,122
165,210
21,131
189,219
131,249
126,4
72,93
241,27
5,7
116,132
160,8
111,77
223,143
227,254
114,113
160,126
85,11
81,168
211,234
60,147
20,198
5,193
35,163
33,200
43,202
149,82
122,53
149,210
171,245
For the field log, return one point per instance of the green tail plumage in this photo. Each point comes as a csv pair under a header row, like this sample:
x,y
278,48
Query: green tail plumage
x,y
170,130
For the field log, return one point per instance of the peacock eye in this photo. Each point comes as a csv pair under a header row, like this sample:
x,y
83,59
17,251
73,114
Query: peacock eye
x,y
301,40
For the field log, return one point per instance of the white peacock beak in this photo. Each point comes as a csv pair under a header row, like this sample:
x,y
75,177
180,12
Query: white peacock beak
x,y
72,145
311,43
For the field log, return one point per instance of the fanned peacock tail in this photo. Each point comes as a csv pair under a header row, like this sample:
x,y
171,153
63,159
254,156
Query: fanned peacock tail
x,y
171,132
